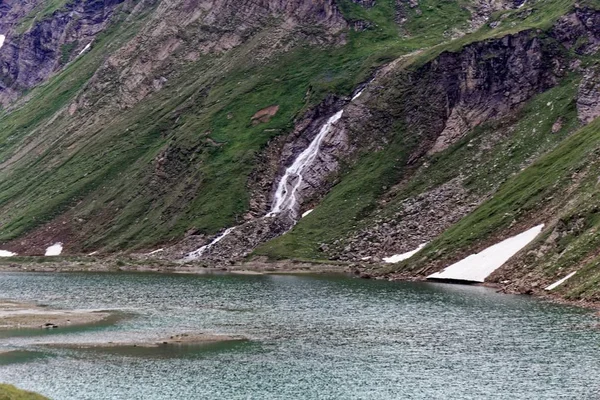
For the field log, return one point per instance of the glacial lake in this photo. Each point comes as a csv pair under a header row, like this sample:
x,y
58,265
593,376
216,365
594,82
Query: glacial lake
x,y
310,337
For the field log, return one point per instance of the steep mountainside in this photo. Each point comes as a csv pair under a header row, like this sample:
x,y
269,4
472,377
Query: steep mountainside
x,y
335,130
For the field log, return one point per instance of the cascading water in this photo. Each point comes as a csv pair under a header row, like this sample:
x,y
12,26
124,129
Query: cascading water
x,y
286,195
194,255
285,198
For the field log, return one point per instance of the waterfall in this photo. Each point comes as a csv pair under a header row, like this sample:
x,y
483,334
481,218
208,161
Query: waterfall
x,y
194,255
285,198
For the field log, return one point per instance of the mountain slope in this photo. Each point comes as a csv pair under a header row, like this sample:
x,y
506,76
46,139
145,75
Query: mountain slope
x,y
155,123
131,172
420,189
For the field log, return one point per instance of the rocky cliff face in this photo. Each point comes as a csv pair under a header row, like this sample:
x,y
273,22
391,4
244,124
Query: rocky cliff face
x,y
186,29
588,99
579,31
489,80
13,11
190,31
44,47
447,98
282,152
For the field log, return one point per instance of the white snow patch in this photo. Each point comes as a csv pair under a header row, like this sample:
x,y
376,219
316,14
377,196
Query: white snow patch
x,y
4,253
401,257
54,250
155,252
306,213
2,39
86,48
194,255
477,267
560,282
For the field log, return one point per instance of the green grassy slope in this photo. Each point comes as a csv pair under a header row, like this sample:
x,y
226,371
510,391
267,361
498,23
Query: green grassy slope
x,y
9,392
202,116
561,190
353,202
105,175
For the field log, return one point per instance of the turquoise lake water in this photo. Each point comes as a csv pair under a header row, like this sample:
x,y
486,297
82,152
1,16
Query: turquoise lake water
x,y
309,337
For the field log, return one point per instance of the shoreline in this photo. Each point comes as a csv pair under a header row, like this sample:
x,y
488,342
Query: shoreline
x,y
254,268
111,265
504,289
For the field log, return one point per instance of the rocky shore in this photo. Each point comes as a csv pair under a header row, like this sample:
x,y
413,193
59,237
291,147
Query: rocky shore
x,y
257,266
138,263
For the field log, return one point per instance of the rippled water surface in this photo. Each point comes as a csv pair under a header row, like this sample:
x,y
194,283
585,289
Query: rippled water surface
x,y
310,338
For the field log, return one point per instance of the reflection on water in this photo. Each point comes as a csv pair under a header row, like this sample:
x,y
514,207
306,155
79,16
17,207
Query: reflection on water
x,y
309,338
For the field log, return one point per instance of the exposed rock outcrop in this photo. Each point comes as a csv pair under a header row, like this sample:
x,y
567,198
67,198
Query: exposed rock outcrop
x,y
147,61
48,44
12,13
579,31
282,152
588,98
488,80
420,220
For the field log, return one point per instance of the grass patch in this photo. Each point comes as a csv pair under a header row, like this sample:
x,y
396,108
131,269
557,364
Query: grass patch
x,y
9,392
